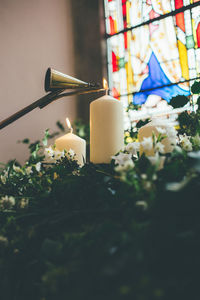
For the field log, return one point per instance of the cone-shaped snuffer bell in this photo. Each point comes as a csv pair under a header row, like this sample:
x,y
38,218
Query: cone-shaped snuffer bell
x,y
55,80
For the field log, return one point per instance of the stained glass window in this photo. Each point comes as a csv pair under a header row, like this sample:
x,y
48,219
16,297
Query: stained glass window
x,y
153,47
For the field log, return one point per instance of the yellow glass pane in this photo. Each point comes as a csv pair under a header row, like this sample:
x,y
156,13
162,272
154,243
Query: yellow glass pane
x,y
128,6
194,33
183,60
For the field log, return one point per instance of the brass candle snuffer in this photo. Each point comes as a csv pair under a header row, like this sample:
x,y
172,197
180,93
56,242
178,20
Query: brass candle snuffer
x,y
55,83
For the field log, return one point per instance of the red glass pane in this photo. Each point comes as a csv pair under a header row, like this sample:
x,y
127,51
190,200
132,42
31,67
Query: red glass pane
x,y
178,4
112,25
125,40
124,7
114,62
115,93
198,35
180,22
124,12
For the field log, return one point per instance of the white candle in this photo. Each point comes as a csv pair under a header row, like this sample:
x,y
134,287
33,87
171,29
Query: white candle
x,y
74,142
106,129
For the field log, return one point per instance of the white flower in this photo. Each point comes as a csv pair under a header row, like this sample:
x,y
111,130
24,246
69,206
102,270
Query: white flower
x,y
7,202
178,149
147,185
187,146
184,138
157,161
63,153
147,143
3,179
195,154
196,140
159,147
154,159
154,177
119,169
173,141
16,169
3,240
171,132
161,130
71,153
185,142
38,166
133,148
59,154
143,204
24,203
121,158
127,122
177,186
129,164
29,170
144,176
49,152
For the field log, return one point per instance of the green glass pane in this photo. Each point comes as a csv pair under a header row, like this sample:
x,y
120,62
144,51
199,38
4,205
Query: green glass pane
x,y
121,63
190,42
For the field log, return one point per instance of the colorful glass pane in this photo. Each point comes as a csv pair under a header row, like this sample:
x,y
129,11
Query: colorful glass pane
x,y
151,51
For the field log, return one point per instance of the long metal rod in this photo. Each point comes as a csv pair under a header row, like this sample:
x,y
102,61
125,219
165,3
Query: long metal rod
x,y
44,101
77,92
172,13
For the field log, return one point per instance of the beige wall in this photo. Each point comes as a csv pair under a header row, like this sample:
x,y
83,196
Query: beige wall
x,y
34,34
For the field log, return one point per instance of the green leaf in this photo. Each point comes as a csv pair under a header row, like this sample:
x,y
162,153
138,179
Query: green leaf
x,y
142,123
196,87
46,137
179,101
198,102
60,126
26,141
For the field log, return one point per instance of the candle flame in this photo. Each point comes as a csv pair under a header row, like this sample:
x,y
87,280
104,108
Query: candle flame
x,y
105,84
69,124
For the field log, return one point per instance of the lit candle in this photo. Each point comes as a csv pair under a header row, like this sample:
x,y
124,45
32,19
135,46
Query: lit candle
x,y
106,128
74,142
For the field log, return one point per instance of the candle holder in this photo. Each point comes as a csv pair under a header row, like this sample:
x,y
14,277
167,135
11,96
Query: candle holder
x,y
55,83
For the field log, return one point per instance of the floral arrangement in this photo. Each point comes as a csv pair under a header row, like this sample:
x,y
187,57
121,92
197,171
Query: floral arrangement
x,y
127,230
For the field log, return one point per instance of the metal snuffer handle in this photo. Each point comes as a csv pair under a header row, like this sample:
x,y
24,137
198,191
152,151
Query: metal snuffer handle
x,y
55,83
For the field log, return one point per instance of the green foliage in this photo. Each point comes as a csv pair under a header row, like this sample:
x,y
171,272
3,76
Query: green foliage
x,y
142,123
26,141
189,123
93,233
133,106
196,87
60,126
198,102
46,137
179,101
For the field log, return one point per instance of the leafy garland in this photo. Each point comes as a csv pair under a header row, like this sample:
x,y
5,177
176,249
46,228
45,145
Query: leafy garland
x,y
128,230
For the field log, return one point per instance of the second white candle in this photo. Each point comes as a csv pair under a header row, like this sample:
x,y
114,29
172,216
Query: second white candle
x,y
74,142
